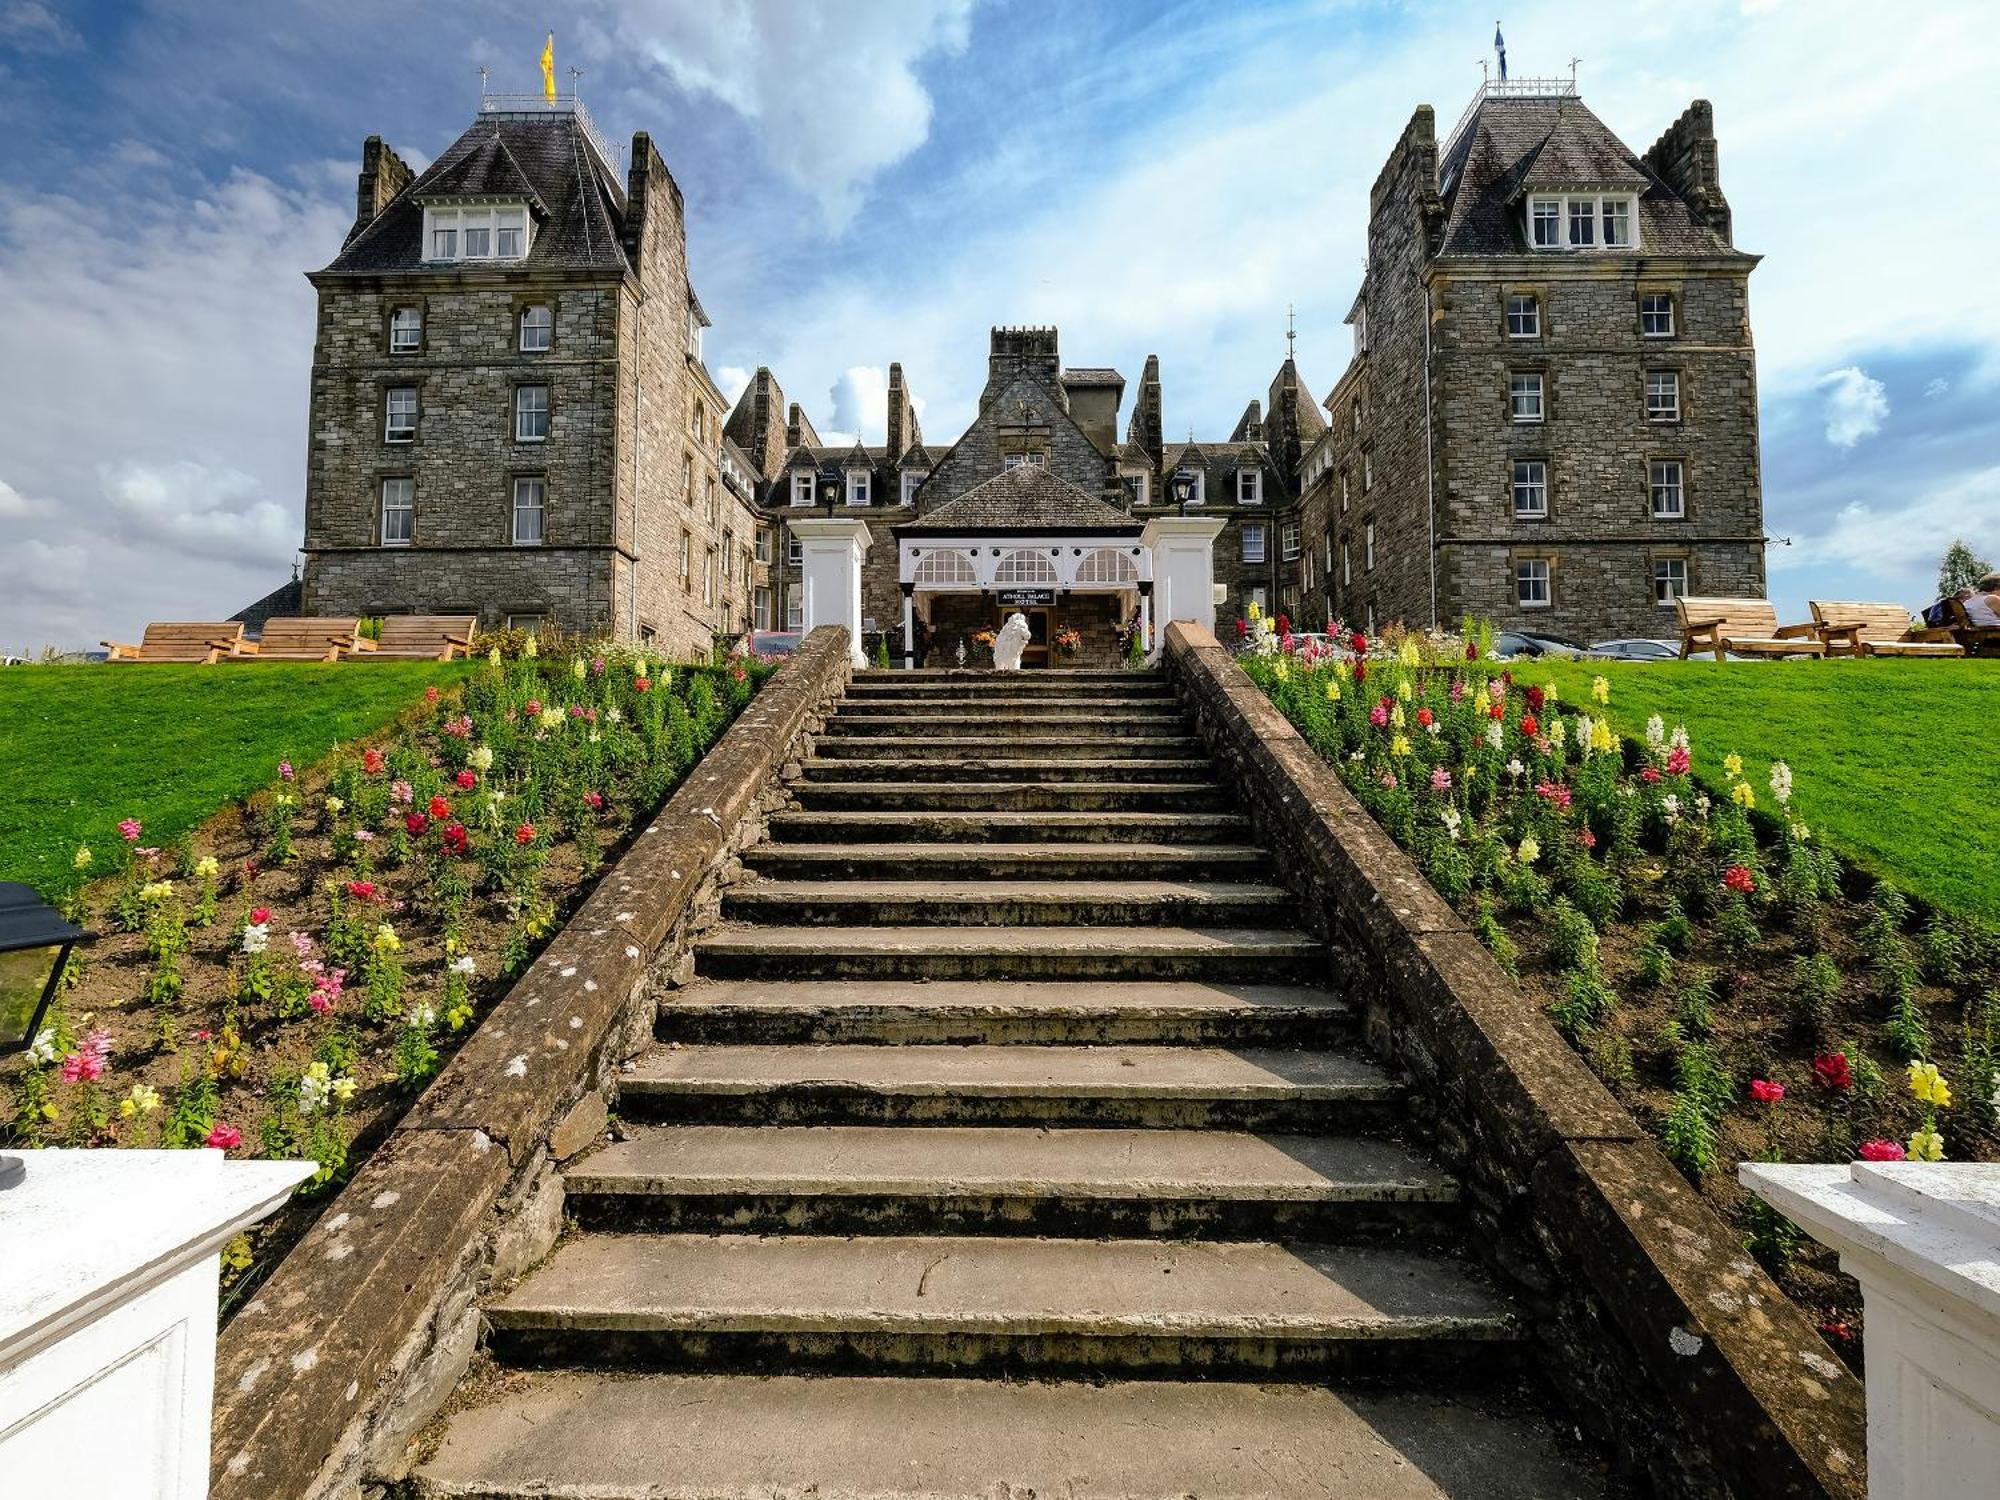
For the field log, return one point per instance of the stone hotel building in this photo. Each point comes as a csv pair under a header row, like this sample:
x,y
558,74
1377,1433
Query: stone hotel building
x,y
1549,418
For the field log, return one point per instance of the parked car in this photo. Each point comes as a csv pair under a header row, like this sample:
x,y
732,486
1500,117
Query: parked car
x,y
1637,649
769,642
1511,643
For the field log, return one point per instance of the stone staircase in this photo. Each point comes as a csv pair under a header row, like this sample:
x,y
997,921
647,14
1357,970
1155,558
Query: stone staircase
x,y
1009,1142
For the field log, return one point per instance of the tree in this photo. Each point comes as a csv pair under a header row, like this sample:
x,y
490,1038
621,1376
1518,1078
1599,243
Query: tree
x,y
1961,569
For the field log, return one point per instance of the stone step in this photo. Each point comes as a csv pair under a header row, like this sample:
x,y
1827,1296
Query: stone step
x,y
1068,724
599,1436
981,676
1003,1013
912,763
1387,1315
1075,953
1007,861
1005,903
1156,1087
1024,685
988,829
1012,796
983,747
1153,711
1009,1180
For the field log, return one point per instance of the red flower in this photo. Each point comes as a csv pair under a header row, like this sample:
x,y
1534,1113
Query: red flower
x,y
1284,624
1528,726
1650,775
1882,1151
1678,761
453,839
1498,711
224,1137
468,779
259,916
1359,642
250,866
1830,1071
440,809
532,708
1740,880
1425,717
1472,651
361,890
1766,1092
641,685
1242,628
594,800
371,761
1360,669
525,834
416,822
1536,698
431,694
1586,838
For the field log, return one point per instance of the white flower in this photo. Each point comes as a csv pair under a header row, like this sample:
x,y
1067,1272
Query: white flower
x,y
1781,782
1493,733
1450,819
1583,727
1656,733
464,965
43,1049
482,758
1514,767
256,937
1701,803
1680,737
423,1017
313,1089
551,718
615,715
1671,806
1558,734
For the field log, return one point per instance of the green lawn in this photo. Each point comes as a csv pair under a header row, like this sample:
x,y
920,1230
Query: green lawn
x,y
1896,763
82,747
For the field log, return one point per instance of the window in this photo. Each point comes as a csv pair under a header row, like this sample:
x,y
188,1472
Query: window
x,y
1670,580
1663,396
538,326
1656,315
1199,495
1525,396
1343,492
1257,597
857,486
525,624
708,577
763,544
1253,541
444,240
1346,565
1249,486
912,478
1135,489
1354,413
1328,540
530,504
399,512
400,425
476,233
510,234
1367,472
687,561
1289,540
795,608
1531,583
1617,223
1361,329
1582,221
1531,489
1018,460
697,417
802,487
406,330
531,413
1524,318
712,489
1545,219
1669,499
761,610
1368,546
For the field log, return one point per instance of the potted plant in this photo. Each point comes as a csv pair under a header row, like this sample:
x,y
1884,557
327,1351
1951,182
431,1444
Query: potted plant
x,y
1068,641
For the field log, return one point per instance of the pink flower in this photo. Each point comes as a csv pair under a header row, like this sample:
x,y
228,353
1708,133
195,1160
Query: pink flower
x,y
224,1137
1739,880
1440,780
361,890
284,770
1830,1071
597,666
594,800
1379,715
453,839
467,780
1457,689
641,685
1553,791
403,792
1766,1092
416,822
1678,761
129,830
86,1065
1389,780
431,694
1650,775
259,915
576,710
1586,838
1882,1151
302,945
532,708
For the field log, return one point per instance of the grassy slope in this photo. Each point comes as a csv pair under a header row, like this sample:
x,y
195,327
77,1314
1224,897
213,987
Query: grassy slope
x,y
1897,764
82,747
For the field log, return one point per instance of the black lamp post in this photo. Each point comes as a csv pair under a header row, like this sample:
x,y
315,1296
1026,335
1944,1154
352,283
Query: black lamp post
x,y
1183,489
35,940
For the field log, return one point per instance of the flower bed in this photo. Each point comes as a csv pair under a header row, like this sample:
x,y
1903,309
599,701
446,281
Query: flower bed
x,y
1721,970
283,981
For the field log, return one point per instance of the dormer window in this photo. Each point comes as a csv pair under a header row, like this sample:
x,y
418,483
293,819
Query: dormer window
x,y
857,486
802,487
476,232
1582,221
1249,486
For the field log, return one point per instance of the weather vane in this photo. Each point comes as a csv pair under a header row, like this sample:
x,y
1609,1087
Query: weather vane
x,y
1291,332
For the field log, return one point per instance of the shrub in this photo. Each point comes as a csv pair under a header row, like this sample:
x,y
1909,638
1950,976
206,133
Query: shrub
x,y
1655,964
1486,927
1588,1000
1572,938
1735,928
1674,930
1815,991
1611,1055
1695,1010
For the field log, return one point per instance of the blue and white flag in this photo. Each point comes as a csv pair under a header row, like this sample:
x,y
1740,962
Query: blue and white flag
x,y
1500,46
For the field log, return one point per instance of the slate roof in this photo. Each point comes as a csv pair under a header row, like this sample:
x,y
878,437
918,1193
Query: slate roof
x,y
578,205
1093,375
1513,145
1025,498
1253,416
834,456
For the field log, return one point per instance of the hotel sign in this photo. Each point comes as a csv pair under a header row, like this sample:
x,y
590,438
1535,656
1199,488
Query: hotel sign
x,y
1010,598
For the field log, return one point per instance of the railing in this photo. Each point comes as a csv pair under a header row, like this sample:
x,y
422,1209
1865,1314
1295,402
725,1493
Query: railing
x,y
532,105
1508,88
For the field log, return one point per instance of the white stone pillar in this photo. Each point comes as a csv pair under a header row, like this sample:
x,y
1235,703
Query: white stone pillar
x,y
831,549
1146,618
108,1265
1183,549
1923,1239
909,628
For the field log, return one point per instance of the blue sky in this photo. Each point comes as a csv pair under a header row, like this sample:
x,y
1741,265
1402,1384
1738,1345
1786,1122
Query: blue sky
x,y
881,181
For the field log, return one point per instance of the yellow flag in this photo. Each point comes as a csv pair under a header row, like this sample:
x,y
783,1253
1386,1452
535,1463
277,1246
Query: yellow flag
x,y
549,67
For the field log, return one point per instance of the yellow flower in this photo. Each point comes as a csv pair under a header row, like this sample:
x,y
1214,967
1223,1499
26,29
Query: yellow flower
x,y
1396,716
577,669
1601,737
551,718
1741,794
530,649
1550,693
156,890
1926,1145
1400,745
1600,689
1408,656
1929,1085
1529,851
639,668
208,867
1282,671
1403,690
1732,765
386,940
236,1254
493,657
343,1089
1340,670
82,860
142,1100
1332,692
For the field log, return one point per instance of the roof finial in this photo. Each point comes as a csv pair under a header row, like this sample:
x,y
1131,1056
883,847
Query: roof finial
x,y
1291,333
482,83
576,81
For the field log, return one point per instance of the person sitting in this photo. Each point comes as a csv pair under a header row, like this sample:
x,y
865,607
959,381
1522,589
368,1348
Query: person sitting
x,y
1981,603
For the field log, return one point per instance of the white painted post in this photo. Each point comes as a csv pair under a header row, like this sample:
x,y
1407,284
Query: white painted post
x,y
831,549
108,1265
1146,621
1923,1239
1183,549
909,628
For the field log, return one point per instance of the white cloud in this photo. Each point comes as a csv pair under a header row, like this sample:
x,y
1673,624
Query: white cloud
x,y
860,400
201,511
1938,389
833,90
734,380
1856,405
1901,541
15,506
33,27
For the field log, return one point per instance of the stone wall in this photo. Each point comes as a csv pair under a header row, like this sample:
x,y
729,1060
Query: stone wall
x,y
1670,1346
365,1328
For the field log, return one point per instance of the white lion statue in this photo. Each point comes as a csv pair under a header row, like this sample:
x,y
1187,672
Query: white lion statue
x,y
1009,644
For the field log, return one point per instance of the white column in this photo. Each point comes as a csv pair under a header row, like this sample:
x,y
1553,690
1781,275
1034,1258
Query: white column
x,y
108,1263
1146,620
1923,1239
1183,549
909,629
831,549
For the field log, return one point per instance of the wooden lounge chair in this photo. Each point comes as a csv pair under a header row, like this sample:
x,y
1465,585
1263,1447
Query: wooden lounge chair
x,y
1877,630
420,638
302,639
1978,640
1744,627
202,641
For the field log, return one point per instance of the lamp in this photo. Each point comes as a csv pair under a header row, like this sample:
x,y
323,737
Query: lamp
x,y
1183,489
35,940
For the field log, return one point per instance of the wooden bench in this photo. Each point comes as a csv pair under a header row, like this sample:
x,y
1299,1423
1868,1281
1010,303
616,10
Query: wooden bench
x,y
202,641
421,638
1746,627
1978,640
1877,630
302,639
